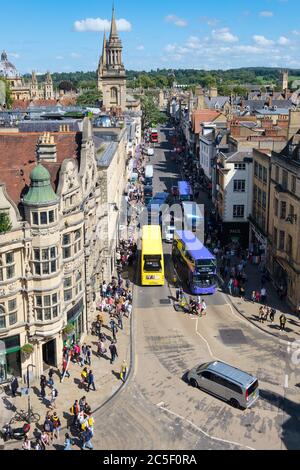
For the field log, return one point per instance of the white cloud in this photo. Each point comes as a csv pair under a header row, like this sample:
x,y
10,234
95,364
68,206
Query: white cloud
x,y
99,24
283,41
296,33
59,57
209,21
141,48
15,56
266,13
177,21
75,55
262,41
224,35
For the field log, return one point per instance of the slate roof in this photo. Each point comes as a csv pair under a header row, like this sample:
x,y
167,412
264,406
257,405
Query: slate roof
x,y
219,102
238,157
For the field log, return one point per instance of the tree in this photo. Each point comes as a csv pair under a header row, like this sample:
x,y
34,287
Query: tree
x,y
7,99
90,98
151,114
5,223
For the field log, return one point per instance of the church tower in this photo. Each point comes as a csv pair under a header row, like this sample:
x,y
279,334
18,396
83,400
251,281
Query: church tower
x,y
34,88
285,80
48,87
111,70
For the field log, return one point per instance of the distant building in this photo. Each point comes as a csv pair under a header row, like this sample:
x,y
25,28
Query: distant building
x,y
112,74
22,90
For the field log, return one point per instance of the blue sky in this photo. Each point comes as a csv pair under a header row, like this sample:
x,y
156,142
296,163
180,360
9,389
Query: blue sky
x,y
67,35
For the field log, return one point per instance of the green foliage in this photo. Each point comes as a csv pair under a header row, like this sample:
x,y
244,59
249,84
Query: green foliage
x,y
89,98
5,223
8,95
27,349
151,113
68,329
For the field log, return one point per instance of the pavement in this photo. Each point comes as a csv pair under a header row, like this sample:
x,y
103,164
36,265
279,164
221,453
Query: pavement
x,y
250,310
107,381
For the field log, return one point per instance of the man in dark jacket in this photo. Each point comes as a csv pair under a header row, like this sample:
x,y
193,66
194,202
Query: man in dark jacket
x,y
14,386
91,381
113,352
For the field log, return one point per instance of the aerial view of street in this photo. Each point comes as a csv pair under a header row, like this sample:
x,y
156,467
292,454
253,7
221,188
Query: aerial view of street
x,y
149,231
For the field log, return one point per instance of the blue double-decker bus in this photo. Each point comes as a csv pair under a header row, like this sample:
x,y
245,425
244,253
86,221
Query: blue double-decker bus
x,y
194,263
185,191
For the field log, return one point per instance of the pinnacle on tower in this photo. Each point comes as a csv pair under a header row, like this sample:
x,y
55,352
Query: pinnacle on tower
x,y
104,50
113,29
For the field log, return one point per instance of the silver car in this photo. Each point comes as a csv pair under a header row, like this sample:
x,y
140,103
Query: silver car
x,y
230,384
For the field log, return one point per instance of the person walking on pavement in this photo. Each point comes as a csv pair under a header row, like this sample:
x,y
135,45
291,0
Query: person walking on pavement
x,y
56,425
113,352
91,381
84,376
87,439
68,442
88,356
64,371
114,329
272,315
53,395
75,410
124,369
14,385
120,320
253,296
43,385
203,308
282,320
263,294
230,285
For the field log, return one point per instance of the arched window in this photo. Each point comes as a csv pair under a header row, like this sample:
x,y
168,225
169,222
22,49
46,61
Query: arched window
x,y
114,95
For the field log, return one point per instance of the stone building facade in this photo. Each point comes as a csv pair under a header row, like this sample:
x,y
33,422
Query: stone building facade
x,y
283,256
25,91
61,191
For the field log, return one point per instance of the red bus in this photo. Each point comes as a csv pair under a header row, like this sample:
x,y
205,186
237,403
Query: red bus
x,y
154,136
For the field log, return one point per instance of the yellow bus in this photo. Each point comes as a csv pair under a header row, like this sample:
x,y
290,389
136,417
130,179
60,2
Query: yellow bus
x,y
152,260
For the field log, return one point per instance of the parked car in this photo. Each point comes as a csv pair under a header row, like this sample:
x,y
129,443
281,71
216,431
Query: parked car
x,y
230,384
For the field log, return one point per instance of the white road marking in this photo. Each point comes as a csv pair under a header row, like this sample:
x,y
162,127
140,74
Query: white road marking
x,y
206,342
202,431
286,381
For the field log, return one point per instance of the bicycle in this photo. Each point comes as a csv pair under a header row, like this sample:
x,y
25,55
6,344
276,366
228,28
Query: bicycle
x,y
25,416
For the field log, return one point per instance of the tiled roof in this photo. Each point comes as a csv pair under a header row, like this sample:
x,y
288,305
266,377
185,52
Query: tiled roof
x,y
237,157
18,159
205,115
219,101
25,104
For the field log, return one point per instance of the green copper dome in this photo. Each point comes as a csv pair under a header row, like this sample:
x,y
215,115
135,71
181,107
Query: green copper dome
x,y
40,191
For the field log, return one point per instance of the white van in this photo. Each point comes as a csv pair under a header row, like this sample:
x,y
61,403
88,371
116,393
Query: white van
x,y
169,234
150,152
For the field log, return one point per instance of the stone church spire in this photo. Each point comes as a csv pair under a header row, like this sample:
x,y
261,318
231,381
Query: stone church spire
x,y
113,29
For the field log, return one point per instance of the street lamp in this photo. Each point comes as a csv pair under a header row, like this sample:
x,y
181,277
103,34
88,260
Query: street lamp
x,y
28,386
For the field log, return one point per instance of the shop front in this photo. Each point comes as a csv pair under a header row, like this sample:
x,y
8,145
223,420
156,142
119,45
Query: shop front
x,y
10,358
235,233
75,318
257,245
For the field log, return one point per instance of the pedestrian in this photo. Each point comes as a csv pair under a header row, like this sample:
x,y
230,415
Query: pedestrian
x,y
114,329
68,442
48,428
282,320
120,320
177,294
53,395
124,369
14,385
89,356
242,291
83,353
43,385
91,381
26,443
82,403
84,376
87,439
203,308
64,371
113,352
266,313
260,314
75,410
236,286
230,285
272,315
253,296
263,294
56,425
50,377
257,296
104,289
